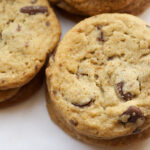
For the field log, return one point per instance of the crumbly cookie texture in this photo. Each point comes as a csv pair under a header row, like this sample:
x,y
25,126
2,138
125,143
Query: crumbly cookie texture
x,y
90,8
29,30
7,94
98,79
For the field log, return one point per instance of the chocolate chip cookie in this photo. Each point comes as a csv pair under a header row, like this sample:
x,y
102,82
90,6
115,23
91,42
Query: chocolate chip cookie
x,y
29,30
90,7
99,78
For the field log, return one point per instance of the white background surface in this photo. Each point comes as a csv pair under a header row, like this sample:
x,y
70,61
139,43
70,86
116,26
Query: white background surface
x,y
27,126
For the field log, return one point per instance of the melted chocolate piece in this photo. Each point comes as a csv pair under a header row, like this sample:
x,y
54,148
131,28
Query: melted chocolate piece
x,y
126,96
134,114
32,10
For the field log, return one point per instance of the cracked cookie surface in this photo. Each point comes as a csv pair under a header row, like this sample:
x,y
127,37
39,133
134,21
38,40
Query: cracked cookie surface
x,y
99,77
29,30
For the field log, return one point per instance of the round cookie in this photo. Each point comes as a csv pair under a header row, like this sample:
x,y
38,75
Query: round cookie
x,y
89,8
98,79
7,94
29,30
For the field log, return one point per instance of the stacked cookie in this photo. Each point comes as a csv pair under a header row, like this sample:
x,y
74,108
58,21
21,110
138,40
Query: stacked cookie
x,y
99,78
29,30
90,7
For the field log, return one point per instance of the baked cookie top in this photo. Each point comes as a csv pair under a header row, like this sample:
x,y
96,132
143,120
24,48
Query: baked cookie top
x,y
99,78
29,30
91,7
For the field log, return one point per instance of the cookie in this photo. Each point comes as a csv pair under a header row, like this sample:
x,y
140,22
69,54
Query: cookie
x,y
90,8
29,30
7,94
98,79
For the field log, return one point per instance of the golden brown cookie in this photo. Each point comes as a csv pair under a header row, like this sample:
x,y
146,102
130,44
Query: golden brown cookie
x,y
90,7
98,79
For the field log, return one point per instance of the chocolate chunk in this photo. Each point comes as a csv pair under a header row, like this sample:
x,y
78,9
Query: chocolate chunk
x,y
32,10
101,36
133,113
85,104
148,26
73,122
126,96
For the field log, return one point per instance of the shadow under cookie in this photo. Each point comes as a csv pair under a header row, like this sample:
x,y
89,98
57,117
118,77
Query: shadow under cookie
x,y
118,142
25,92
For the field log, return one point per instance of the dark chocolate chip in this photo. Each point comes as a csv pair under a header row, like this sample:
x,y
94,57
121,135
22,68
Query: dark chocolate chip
x,y
32,10
73,122
148,26
126,96
18,28
133,113
85,104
